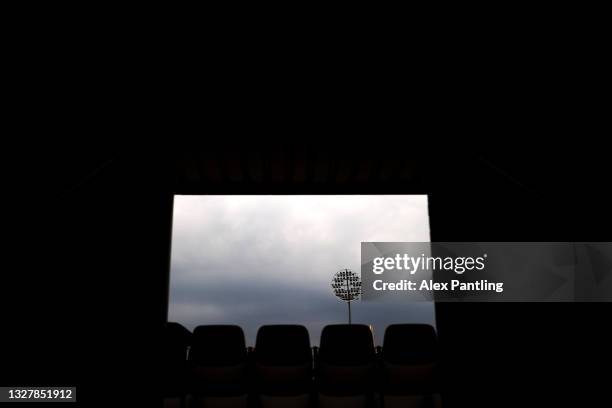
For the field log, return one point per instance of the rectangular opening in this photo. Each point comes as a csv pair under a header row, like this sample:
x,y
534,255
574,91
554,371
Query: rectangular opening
x,y
252,260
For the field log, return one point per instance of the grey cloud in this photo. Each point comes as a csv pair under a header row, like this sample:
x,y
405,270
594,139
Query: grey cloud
x,y
253,260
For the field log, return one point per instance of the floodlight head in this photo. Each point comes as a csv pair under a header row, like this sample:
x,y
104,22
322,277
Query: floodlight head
x,y
346,285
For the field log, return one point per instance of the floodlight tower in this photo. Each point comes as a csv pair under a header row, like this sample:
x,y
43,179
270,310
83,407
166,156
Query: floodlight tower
x,y
346,285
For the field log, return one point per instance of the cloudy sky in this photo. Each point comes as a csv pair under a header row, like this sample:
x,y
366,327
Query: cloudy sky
x,y
254,260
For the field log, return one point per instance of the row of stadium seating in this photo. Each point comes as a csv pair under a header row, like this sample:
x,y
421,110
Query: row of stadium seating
x,y
212,367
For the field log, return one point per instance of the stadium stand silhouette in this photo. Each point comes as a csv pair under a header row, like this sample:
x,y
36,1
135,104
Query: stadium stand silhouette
x,y
96,234
214,368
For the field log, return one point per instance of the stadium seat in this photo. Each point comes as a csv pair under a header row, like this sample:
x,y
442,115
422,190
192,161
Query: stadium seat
x,y
345,367
218,358
408,368
283,366
174,370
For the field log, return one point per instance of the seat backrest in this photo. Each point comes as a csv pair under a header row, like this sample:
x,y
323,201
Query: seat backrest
x,y
176,340
346,344
218,345
283,345
410,344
